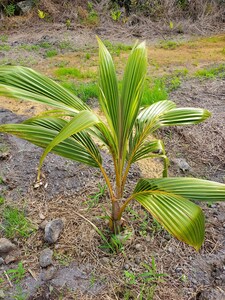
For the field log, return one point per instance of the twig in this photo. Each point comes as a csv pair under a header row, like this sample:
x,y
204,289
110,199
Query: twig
x,y
32,274
7,277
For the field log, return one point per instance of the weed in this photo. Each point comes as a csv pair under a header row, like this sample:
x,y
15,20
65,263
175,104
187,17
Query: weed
x,y
2,200
154,91
51,53
3,38
85,91
30,47
68,23
15,223
174,84
4,47
16,275
74,73
212,73
96,197
87,56
116,14
65,45
150,275
169,45
223,51
45,45
41,14
10,9
63,259
117,47
1,180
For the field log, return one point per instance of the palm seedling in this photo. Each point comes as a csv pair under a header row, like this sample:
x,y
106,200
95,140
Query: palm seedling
x,y
124,132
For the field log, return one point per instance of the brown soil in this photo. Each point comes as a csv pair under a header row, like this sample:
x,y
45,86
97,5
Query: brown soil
x,y
84,270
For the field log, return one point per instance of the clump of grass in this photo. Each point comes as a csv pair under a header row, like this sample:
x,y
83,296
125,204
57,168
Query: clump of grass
x,y
51,53
2,200
4,47
218,71
169,45
45,45
15,223
116,48
74,73
154,91
3,38
30,47
65,45
84,91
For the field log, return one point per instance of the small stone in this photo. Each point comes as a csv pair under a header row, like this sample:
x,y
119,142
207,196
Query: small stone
x,y
105,260
126,267
182,164
25,6
138,247
6,246
41,216
137,260
148,238
170,249
12,257
48,273
1,261
53,230
45,259
43,224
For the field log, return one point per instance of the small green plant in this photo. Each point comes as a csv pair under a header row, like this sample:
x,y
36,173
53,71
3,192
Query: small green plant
x,y
87,56
4,48
4,38
51,53
68,23
85,91
174,84
72,129
63,259
171,25
10,9
16,275
149,276
15,223
169,45
30,47
96,197
2,200
154,91
45,45
116,14
65,45
74,73
41,14
1,180
218,71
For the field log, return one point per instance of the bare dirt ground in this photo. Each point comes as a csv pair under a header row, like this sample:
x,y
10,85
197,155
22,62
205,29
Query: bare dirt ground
x,y
82,269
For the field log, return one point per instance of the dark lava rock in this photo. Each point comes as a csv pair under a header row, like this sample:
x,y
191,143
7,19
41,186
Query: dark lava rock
x,y
53,230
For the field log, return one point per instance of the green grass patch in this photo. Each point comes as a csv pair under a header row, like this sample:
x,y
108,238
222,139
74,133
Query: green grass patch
x,y
2,200
4,48
154,91
30,47
15,223
116,48
218,71
169,45
84,91
45,45
51,53
4,38
65,45
74,73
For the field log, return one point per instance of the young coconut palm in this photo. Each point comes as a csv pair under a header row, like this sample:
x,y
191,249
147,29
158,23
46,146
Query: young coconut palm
x,y
124,134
